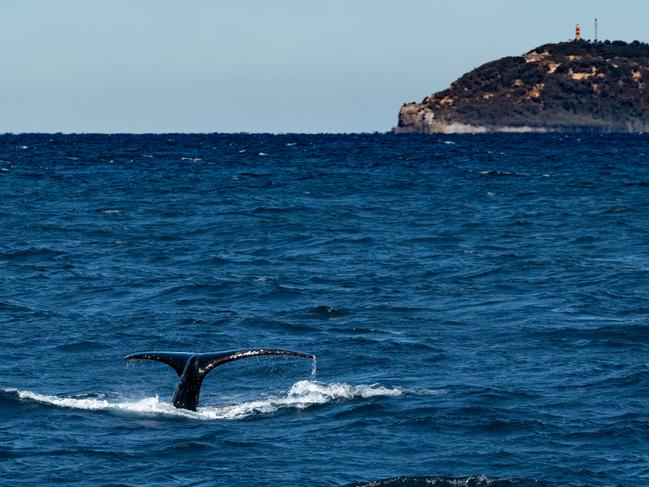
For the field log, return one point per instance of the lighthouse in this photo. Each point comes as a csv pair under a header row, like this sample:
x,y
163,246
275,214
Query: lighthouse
x,y
577,33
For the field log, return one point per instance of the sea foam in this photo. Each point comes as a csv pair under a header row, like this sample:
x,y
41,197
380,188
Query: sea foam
x,y
301,395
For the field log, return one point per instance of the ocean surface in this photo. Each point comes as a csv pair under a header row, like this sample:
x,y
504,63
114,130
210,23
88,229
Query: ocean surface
x,y
478,305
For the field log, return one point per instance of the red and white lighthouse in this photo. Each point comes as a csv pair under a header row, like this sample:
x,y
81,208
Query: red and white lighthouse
x,y
577,33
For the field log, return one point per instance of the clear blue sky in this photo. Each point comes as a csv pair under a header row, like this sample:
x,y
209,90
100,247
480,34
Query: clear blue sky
x,y
263,65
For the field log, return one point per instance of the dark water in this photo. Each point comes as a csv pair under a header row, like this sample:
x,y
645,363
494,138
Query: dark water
x,y
479,306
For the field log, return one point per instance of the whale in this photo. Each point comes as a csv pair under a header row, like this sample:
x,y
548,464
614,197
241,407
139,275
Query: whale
x,y
192,368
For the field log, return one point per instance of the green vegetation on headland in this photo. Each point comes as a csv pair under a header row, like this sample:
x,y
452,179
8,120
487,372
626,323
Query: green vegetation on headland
x,y
564,87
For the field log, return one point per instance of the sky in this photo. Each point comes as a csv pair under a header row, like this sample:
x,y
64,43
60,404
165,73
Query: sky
x,y
263,65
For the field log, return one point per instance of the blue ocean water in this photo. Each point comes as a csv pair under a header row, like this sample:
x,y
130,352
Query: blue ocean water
x,y
479,307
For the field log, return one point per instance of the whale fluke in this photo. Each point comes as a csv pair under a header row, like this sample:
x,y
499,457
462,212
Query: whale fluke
x,y
193,367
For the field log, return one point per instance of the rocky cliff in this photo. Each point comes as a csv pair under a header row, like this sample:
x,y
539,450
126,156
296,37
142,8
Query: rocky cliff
x,y
563,87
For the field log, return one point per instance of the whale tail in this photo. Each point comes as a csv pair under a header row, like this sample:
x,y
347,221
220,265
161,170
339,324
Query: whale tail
x,y
193,367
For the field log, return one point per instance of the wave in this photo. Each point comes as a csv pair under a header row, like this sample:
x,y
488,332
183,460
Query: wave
x,y
301,395
473,481
327,311
12,305
31,253
81,346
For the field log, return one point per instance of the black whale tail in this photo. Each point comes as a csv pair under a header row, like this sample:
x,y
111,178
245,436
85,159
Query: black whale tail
x,y
193,367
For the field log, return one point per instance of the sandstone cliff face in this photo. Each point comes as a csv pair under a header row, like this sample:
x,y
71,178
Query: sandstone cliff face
x,y
565,87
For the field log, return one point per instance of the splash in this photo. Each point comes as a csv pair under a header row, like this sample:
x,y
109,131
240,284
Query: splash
x,y
314,367
301,395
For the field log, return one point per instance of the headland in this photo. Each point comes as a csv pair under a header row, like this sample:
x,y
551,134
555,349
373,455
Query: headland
x,y
577,86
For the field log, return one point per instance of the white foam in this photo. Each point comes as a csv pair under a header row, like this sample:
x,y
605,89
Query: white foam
x,y
429,392
149,404
302,395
